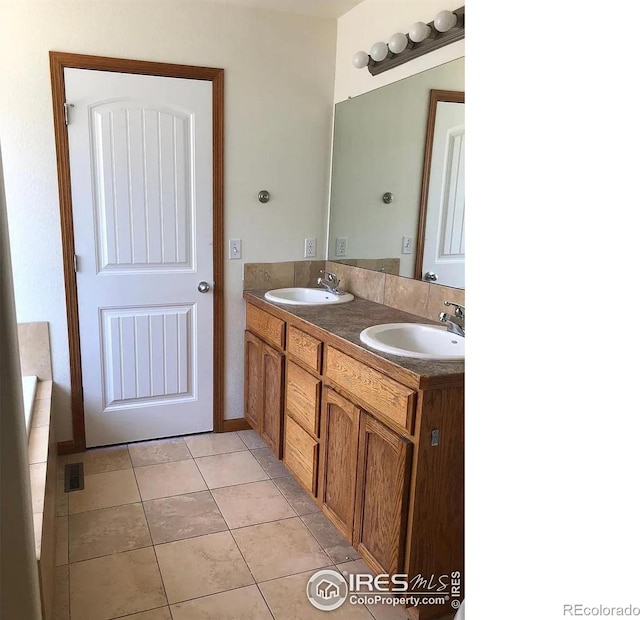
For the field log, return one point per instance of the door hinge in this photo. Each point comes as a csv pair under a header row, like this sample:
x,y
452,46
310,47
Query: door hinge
x,y
435,437
66,112
75,263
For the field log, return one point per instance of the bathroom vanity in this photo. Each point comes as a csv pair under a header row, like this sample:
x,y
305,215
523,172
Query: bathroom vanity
x,y
377,440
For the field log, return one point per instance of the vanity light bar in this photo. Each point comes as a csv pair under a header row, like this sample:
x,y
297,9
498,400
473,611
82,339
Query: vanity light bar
x,y
447,27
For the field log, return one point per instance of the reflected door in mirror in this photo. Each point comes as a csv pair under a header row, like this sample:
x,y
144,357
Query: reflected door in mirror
x,y
440,251
444,243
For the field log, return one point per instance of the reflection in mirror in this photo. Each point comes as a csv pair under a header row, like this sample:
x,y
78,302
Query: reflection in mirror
x,y
440,245
379,148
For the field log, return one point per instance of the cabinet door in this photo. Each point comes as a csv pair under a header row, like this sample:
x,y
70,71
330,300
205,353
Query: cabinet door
x,y
338,460
382,493
253,385
273,381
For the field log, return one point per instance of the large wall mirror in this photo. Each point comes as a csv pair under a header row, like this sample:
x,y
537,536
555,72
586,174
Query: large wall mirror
x,y
383,171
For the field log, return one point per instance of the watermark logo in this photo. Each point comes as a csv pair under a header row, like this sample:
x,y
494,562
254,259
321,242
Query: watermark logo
x,y
327,590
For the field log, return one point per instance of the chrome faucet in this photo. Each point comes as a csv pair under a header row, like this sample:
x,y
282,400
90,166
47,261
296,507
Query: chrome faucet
x,y
455,321
330,284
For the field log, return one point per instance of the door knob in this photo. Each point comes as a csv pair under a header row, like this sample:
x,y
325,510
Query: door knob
x,y
430,276
203,287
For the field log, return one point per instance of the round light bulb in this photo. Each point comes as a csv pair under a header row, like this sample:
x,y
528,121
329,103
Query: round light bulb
x,y
379,51
419,32
360,59
445,20
398,43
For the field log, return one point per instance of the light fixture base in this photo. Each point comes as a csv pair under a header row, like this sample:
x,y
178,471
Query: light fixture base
x,y
435,41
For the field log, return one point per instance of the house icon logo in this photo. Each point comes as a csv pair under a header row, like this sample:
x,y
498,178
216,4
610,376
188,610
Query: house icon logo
x,y
327,590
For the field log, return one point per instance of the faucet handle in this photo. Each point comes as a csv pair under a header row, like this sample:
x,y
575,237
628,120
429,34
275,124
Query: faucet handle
x,y
459,309
331,277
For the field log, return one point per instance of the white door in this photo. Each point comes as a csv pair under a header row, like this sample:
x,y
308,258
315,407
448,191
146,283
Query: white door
x,y
140,150
444,242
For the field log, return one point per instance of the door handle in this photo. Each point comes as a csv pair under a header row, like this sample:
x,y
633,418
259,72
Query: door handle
x,y
203,287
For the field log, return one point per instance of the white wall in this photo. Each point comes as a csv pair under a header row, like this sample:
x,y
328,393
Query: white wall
x,y
279,79
377,20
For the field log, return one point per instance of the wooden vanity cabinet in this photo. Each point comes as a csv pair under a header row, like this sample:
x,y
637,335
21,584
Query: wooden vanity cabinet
x,y
381,450
263,396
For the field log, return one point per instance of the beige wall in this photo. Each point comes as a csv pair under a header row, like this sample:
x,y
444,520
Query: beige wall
x,y
377,20
279,78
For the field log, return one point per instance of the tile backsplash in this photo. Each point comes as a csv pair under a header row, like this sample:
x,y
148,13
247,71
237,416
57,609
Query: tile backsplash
x,y
35,356
281,275
419,298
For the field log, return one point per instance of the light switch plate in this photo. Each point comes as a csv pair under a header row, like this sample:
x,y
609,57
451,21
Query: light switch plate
x,y
235,249
407,245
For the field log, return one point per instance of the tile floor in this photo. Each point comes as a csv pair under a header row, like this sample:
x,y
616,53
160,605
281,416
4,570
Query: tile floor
x,y
205,526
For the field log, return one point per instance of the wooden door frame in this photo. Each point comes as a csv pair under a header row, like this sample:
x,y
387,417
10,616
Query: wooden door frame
x,y
448,96
58,61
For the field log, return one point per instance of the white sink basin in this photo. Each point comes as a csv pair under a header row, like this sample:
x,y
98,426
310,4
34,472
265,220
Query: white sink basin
x,y
306,297
427,342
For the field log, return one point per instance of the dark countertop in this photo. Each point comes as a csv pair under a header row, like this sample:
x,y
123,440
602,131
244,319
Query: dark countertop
x,y
348,320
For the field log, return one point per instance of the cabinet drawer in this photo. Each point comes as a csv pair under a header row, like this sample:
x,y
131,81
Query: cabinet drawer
x,y
303,398
301,454
305,348
389,400
265,325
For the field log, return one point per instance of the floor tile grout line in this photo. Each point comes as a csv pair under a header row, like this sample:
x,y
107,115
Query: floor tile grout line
x,y
302,572
193,456
82,512
307,497
204,456
285,497
155,555
244,559
180,460
106,555
231,485
196,598
141,612
246,444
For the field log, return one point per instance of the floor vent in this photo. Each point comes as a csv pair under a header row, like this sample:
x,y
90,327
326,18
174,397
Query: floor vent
x,y
73,477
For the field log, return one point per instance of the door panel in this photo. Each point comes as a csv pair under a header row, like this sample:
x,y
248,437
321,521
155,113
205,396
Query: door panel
x,y
148,355
253,385
140,150
382,495
338,460
272,418
143,158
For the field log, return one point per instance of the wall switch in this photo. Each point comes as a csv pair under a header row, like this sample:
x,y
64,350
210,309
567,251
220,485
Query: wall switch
x,y
235,248
407,245
310,248
341,246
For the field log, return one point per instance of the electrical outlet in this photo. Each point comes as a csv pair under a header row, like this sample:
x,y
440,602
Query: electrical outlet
x,y
310,248
341,246
235,249
407,245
